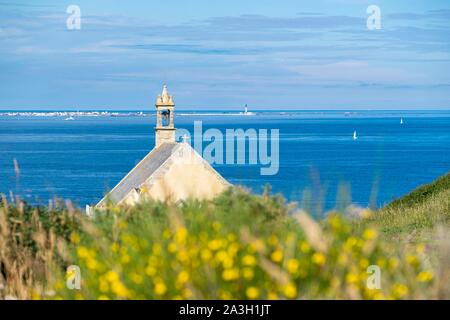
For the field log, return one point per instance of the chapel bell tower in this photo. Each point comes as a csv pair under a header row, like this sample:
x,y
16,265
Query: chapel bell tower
x,y
165,130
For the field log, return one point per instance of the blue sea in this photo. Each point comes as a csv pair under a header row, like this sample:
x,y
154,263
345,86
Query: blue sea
x,y
83,158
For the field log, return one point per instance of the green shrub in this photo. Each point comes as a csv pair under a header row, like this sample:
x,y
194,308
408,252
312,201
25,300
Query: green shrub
x,y
238,246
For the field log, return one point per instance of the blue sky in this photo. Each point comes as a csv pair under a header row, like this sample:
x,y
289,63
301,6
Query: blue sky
x,y
223,54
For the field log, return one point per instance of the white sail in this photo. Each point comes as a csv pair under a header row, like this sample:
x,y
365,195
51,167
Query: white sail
x,y
354,135
401,120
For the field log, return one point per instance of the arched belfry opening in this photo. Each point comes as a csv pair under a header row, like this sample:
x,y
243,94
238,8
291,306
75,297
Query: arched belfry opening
x,y
165,129
170,172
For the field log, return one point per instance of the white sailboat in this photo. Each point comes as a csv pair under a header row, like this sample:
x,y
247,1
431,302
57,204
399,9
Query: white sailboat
x,y
354,135
401,120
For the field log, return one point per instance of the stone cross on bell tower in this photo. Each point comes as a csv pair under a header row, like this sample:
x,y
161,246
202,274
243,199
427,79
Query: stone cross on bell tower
x,y
165,130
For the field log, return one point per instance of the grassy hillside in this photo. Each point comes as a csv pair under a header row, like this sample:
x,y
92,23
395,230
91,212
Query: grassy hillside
x,y
238,246
418,213
422,194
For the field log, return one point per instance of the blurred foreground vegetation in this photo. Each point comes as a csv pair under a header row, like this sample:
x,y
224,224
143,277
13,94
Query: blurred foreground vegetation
x,y
238,246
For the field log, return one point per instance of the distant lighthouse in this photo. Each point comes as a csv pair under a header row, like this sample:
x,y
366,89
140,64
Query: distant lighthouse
x,y
246,113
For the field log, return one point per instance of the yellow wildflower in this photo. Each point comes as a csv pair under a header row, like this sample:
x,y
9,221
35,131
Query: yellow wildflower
x,y
292,266
420,248
206,255
399,290
249,260
119,289
156,249
92,263
256,245
114,247
352,278
125,258
103,285
277,256
304,246
425,276
272,296
231,237
183,277
172,247
215,244
82,252
112,276
136,278
369,234
230,274
412,260
35,295
318,258
252,292
335,222
227,263
248,273
182,256
233,249
225,295
221,255
381,262
393,263
150,271
187,293
377,295
180,235
74,238
160,288
273,240
363,263
290,291
350,243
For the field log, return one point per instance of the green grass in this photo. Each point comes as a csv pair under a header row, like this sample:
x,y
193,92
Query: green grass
x,y
422,194
417,214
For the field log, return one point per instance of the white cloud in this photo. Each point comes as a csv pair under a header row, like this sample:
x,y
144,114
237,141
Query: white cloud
x,y
356,71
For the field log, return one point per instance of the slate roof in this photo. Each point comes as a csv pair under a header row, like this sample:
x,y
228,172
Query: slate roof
x,y
140,173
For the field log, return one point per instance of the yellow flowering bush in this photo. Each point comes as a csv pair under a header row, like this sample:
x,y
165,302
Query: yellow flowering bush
x,y
238,246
